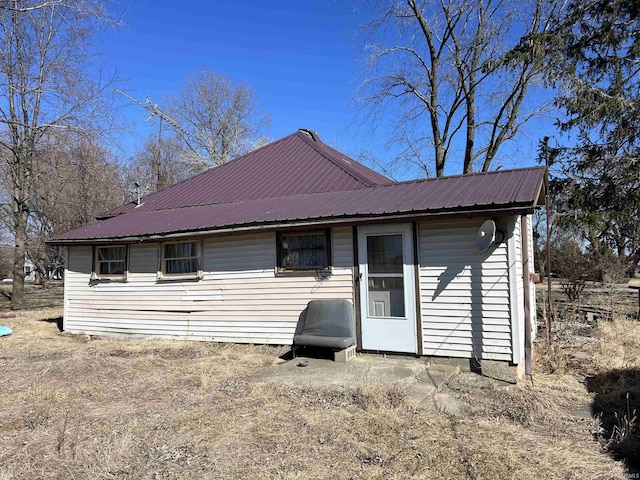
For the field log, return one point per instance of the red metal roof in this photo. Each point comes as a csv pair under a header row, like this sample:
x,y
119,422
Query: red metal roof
x,y
297,164
516,190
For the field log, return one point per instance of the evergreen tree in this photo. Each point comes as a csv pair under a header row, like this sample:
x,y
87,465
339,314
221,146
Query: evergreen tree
x,y
595,62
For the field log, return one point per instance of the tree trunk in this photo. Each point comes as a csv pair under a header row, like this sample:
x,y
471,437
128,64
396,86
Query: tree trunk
x,y
17,290
440,159
471,134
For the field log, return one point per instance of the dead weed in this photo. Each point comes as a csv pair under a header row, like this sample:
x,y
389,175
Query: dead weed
x,y
81,407
619,344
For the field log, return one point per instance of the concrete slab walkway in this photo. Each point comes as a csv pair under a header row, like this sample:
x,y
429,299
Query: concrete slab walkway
x,y
419,379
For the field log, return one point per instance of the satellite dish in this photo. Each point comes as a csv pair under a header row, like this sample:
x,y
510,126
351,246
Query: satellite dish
x,y
488,234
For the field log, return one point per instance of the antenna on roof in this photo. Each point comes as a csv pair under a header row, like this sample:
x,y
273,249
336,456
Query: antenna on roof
x,y
155,111
314,135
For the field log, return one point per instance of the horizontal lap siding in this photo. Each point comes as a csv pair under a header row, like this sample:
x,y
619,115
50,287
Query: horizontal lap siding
x,y
464,294
532,285
519,268
517,286
239,300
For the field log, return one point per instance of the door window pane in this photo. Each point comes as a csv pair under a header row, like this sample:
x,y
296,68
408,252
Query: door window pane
x,y
385,276
384,253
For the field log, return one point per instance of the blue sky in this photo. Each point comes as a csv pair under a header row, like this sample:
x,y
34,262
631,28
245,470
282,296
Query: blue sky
x,y
303,59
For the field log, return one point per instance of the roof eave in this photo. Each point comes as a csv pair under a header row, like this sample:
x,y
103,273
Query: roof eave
x,y
494,210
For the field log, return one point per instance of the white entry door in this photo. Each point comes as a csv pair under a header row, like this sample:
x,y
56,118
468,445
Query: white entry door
x,y
387,288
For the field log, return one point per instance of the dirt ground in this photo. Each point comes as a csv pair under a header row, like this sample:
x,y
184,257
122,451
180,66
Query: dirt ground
x,y
74,406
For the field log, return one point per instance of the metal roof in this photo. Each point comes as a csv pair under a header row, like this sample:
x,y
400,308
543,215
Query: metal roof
x,y
297,164
508,190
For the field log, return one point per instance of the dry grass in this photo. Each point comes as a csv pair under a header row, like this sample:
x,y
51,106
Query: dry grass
x,y
618,346
543,426
83,408
616,384
36,296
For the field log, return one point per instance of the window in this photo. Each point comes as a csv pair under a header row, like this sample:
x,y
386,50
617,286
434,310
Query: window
x,y
303,250
180,258
110,261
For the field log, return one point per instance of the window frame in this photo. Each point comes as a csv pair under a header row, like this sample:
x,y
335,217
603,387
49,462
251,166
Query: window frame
x,y
96,276
281,269
162,274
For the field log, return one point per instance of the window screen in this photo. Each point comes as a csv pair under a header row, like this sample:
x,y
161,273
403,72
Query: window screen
x,y
303,251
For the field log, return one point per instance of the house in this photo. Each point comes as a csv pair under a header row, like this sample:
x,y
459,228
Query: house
x,y
234,255
29,270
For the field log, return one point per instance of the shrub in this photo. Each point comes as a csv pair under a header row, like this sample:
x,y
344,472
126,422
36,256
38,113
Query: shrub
x,y
570,264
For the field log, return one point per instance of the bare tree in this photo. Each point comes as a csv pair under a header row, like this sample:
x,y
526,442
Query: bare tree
x,y
44,86
456,74
76,181
159,164
219,120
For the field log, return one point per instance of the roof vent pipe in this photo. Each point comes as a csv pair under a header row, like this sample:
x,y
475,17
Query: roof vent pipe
x,y
314,136
137,185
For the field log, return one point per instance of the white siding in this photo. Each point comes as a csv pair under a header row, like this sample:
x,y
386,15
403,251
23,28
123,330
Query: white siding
x,y
516,287
532,286
464,294
240,298
66,285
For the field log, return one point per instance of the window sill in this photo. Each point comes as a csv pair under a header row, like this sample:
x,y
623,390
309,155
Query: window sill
x,y
95,280
312,272
163,278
